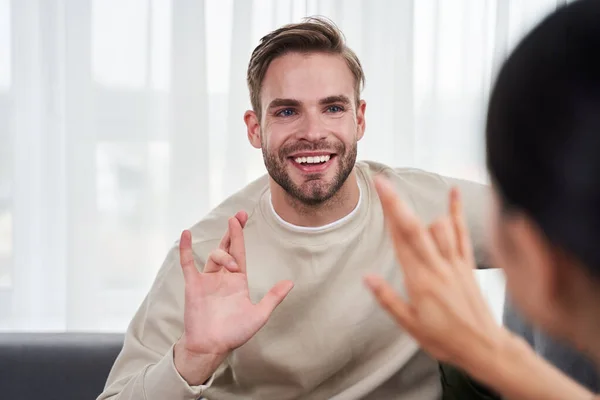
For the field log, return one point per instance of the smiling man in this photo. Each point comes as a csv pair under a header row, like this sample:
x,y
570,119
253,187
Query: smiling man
x,y
307,119
237,330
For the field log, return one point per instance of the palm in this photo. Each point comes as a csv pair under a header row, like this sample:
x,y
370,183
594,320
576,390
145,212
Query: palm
x,y
219,315
219,311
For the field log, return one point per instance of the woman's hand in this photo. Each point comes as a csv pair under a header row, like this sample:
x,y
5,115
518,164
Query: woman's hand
x,y
445,310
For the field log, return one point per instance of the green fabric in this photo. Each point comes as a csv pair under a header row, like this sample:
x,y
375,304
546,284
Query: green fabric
x,y
457,385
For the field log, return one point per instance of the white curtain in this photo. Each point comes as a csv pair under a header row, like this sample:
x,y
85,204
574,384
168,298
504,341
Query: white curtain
x,y
121,124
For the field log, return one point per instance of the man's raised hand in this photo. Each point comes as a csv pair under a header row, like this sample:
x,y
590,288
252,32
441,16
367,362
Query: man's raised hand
x,y
218,314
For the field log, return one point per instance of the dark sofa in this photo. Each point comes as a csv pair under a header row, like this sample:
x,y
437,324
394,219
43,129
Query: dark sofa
x,y
56,366
74,366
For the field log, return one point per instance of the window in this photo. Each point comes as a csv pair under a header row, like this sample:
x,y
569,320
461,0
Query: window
x,y
5,152
120,125
131,47
5,37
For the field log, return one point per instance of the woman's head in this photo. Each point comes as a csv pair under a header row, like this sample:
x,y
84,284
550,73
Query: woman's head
x,y
543,155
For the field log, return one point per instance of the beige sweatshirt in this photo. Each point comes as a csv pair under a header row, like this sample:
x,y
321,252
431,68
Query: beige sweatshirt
x,y
328,339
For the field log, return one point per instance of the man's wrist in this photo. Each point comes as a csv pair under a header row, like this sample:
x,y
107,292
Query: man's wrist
x,y
195,368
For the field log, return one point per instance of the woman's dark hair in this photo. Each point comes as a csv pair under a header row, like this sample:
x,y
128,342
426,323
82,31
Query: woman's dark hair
x,y
543,130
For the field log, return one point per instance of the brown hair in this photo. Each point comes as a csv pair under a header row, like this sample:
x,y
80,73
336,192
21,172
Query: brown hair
x,y
313,34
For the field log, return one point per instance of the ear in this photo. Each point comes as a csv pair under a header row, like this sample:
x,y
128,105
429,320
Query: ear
x,y
360,118
543,262
253,128
555,284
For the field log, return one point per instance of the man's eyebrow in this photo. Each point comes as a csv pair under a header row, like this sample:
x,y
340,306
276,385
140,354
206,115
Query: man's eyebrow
x,y
283,103
335,99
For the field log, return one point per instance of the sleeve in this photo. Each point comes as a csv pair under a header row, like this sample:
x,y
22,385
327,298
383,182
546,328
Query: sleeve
x,y
145,369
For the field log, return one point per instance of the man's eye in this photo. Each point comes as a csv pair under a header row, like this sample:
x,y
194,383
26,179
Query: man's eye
x,y
286,112
335,109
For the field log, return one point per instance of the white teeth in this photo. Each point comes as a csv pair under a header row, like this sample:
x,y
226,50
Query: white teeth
x,y
312,160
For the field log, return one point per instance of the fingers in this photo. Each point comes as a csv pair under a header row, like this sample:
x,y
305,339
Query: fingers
x,y
399,309
186,257
442,232
237,248
461,232
273,298
242,217
222,257
405,226
219,258
405,255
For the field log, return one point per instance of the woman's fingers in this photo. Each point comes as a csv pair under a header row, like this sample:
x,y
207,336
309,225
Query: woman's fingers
x,y
461,232
424,318
442,232
408,234
444,295
399,221
389,300
466,265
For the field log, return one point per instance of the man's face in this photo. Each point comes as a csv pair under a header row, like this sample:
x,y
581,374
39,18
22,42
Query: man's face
x,y
310,125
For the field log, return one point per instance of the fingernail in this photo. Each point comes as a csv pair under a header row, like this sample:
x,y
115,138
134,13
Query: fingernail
x,y
379,179
232,265
382,183
371,281
454,193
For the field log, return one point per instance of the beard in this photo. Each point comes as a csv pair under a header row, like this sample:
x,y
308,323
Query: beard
x,y
314,191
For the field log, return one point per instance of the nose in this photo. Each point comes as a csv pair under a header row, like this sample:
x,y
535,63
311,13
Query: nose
x,y
312,128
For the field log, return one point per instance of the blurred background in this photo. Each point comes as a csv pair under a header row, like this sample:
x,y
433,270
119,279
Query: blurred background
x,y
121,124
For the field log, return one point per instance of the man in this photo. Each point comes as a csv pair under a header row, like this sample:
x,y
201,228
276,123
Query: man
x,y
237,330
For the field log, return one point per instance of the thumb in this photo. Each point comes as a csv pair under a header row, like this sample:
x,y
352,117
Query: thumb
x,y
273,298
392,303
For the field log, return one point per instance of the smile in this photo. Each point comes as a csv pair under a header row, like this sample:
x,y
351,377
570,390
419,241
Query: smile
x,y
312,163
312,160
